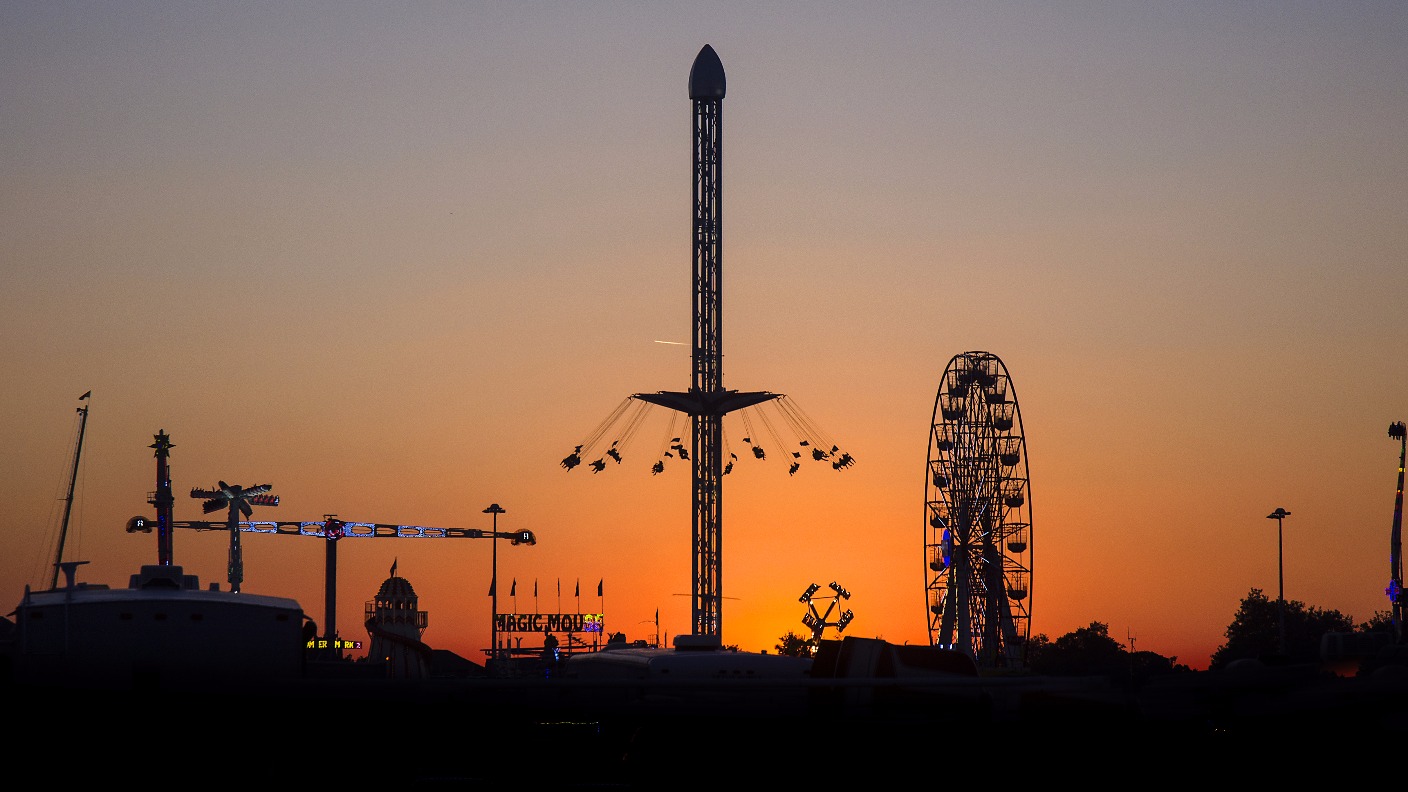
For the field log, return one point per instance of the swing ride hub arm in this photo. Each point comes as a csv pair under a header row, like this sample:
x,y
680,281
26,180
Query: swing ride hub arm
x,y
701,403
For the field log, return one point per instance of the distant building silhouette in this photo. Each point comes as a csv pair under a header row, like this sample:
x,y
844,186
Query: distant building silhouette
x,y
396,625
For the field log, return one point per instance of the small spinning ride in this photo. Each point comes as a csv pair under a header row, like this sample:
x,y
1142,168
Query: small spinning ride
x,y
817,621
978,530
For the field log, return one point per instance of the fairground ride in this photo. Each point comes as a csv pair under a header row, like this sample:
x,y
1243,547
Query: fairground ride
x,y
236,500
707,401
977,512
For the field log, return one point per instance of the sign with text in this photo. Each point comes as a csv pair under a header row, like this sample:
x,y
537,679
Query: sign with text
x,y
550,622
323,643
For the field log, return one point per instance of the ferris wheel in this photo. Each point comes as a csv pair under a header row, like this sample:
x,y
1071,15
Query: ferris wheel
x,y
978,530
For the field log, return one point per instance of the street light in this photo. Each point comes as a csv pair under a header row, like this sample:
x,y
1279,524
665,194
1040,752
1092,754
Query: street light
x,y
494,509
1279,515
1398,431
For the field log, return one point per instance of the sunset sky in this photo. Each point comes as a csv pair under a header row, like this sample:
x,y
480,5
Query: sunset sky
x,y
397,260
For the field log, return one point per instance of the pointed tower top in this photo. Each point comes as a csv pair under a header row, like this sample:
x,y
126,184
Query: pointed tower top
x,y
706,76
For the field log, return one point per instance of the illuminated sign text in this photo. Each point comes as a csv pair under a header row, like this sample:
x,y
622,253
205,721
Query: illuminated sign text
x,y
550,622
323,643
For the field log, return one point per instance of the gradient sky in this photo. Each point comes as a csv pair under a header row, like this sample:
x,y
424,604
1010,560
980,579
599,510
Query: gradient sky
x,y
398,259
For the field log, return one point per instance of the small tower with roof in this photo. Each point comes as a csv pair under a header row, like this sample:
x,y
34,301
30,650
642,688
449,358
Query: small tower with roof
x,y
395,624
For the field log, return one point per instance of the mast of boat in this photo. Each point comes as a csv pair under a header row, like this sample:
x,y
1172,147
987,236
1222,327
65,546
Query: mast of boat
x,y
72,480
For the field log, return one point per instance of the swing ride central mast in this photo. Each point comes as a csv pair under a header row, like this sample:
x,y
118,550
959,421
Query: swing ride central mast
x,y
707,401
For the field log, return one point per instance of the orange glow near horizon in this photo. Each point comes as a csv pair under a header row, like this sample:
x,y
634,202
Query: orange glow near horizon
x,y
398,264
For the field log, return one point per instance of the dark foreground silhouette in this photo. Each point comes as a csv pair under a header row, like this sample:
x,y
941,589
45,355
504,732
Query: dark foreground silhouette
x,y
863,711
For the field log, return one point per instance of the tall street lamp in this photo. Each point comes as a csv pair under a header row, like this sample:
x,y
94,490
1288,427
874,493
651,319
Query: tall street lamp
x,y
494,509
1398,431
1279,515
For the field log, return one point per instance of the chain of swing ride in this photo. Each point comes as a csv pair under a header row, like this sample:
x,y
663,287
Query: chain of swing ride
x,y
811,444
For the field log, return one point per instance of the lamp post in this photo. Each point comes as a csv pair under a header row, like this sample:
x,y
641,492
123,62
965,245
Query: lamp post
x,y
1279,515
1398,431
494,509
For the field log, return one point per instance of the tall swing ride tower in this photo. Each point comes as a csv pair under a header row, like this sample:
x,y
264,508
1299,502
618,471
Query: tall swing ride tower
x,y
707,401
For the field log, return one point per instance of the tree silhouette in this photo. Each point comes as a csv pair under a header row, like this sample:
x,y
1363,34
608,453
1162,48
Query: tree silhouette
x,y
794,645
1090,651
1255,632
1381,621
1087,650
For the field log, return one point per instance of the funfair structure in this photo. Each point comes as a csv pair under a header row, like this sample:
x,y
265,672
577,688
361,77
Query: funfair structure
x,y
329,528
978,531
707,401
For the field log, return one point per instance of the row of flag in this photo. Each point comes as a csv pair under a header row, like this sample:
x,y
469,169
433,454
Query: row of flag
x,y
513,589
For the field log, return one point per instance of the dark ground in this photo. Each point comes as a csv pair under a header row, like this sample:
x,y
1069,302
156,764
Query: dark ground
x,y
466,733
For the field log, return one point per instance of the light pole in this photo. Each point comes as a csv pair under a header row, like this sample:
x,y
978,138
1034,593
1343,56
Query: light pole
x,y
1398,431
1279,515
494,509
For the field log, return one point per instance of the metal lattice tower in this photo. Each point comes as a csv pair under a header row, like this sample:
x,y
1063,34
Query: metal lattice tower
x,y
707,401
162,498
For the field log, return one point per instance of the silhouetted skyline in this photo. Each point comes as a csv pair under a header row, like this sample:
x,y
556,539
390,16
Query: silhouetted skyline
x,y
397,262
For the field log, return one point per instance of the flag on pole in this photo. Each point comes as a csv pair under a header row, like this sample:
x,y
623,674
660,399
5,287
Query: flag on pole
x,y
535,587
513,589
559,587
491,586
85,395
598,586
578,595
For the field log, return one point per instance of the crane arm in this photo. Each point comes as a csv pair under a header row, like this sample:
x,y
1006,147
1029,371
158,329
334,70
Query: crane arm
x,y
348,530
